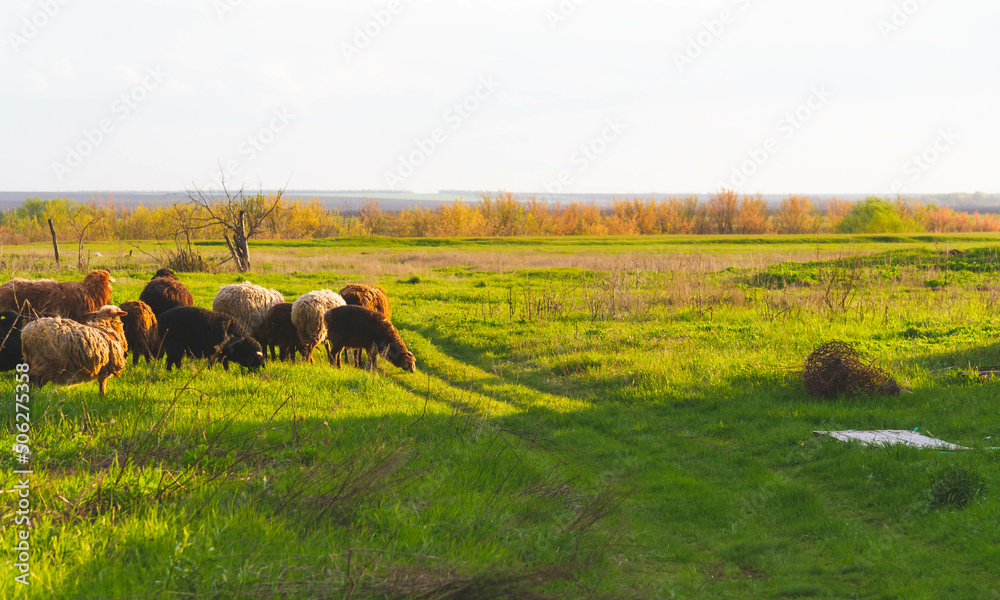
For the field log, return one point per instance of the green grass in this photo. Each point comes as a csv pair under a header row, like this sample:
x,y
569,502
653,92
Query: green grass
x,y
569,433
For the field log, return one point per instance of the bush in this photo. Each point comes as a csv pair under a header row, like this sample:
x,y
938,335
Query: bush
x,y
875,215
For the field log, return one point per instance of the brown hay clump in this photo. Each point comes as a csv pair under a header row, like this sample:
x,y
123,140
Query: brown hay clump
x,y
836,368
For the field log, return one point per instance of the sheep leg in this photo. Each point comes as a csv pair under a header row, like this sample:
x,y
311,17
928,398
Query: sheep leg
x,y
372,357
102,384
334,355
135,358
225,363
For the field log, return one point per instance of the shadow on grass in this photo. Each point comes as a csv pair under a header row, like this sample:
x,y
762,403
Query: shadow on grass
x,y
393,506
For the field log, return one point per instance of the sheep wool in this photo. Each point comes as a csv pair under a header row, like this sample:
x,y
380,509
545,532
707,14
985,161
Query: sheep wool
x,y
165,291
281,333
369,296
139,324
307,316
64,351
70,299
248,305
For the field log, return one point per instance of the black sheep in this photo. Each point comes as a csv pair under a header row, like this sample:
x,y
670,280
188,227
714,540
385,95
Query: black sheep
x,y
201,333
10,339
359,327
164,292
281,332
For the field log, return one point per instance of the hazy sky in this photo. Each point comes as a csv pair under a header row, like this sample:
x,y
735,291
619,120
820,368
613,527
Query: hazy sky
x,y
628,96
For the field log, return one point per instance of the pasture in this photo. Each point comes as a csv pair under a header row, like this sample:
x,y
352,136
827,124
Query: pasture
x,y
590,418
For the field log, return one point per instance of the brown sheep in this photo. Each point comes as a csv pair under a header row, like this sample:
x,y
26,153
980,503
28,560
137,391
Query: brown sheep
x,y
165,291
358,327
63,351
69,299
369,296
281,332
139,324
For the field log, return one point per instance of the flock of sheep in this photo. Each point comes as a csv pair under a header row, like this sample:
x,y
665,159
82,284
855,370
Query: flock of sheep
x,y
68,332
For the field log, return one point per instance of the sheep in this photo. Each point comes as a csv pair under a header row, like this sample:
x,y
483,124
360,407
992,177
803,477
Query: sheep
x,y
139,323
69,299
201,333
368,296
165,291
63,351
248,304
11,324
359,327
307,316
281,333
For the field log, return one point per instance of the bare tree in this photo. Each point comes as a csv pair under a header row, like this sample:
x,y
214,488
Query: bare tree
x,y
81,219
240,215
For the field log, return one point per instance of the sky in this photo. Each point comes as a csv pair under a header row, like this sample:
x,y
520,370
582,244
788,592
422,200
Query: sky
x,y
576,96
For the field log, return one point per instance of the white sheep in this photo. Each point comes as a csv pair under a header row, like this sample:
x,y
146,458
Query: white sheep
x,y
307,316
62,351
248,305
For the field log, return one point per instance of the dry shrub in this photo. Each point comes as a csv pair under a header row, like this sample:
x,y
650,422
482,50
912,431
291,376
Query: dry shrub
x,y
836,368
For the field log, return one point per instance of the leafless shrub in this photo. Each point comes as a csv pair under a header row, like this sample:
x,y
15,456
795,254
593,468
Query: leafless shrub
x,y
837,369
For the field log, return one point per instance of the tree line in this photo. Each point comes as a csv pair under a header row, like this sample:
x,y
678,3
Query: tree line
x,y
493,214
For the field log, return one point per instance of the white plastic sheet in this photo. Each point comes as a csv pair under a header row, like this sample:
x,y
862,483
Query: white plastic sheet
x,y
891,436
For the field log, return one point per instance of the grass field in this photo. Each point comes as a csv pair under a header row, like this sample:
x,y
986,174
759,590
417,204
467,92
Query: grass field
x,y
590,418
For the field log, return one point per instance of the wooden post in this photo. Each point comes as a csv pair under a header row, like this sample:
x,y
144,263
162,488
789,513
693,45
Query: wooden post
x,y
55,244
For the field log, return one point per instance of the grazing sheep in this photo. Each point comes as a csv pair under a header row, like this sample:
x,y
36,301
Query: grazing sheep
x,y
165,291
359,327
281,333
201,333
307,316
64,351
248,304
139,323
69,299
11,324
369,296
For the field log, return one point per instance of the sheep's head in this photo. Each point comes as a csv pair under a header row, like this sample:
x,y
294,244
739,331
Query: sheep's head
x,y
165,272
402,358
98,278
106,312
245,352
